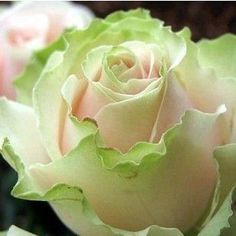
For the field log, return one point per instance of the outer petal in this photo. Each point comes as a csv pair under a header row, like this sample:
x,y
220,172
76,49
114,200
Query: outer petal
x,y
15,231
92,226
15,119
226,159
223,222
135,195
207,90
223,210
219,54
74,130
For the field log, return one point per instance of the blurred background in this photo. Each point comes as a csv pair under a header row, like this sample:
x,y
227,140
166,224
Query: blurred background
x,y
205,19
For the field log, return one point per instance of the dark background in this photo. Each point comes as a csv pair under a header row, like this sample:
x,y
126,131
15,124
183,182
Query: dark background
x,y
205,19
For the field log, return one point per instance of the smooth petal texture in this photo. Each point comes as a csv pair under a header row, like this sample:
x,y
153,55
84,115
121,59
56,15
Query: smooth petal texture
x,y
219,54
74,130
223,222
91,102
174,105
15,231
51,116
208,91
221,212
90,225
69,201
226,159
130,120
139,195
18,125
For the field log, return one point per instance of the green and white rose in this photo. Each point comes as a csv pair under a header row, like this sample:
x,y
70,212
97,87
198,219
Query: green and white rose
x,y
128,129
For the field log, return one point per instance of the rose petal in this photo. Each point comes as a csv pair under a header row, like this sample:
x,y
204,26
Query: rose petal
x,y
130,120
219,54
18,124
127,187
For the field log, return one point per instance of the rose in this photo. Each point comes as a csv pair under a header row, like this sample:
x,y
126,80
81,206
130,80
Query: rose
x,y
113,142
30,26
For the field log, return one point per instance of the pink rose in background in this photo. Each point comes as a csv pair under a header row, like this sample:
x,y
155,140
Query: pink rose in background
x,y
30,26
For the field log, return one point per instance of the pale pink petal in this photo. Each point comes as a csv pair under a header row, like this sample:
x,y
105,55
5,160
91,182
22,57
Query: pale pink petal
x,y
91,102
125,123
176,102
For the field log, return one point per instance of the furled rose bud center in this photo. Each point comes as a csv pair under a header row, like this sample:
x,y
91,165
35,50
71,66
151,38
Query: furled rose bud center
x,y
119,74
120,64
126,69
133,60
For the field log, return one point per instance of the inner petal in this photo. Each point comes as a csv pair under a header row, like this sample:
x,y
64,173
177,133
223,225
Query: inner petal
x,y
149,57
120,67
124,64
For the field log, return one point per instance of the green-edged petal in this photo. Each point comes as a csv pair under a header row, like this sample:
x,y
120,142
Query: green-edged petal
x,y
74,130
18,125
226,159
219,54
133,195
70,204
138,13
223,222
26,81
207,90
223,206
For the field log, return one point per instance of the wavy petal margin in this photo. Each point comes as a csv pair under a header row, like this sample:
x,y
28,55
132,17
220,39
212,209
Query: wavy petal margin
x,y
219,54
126,178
